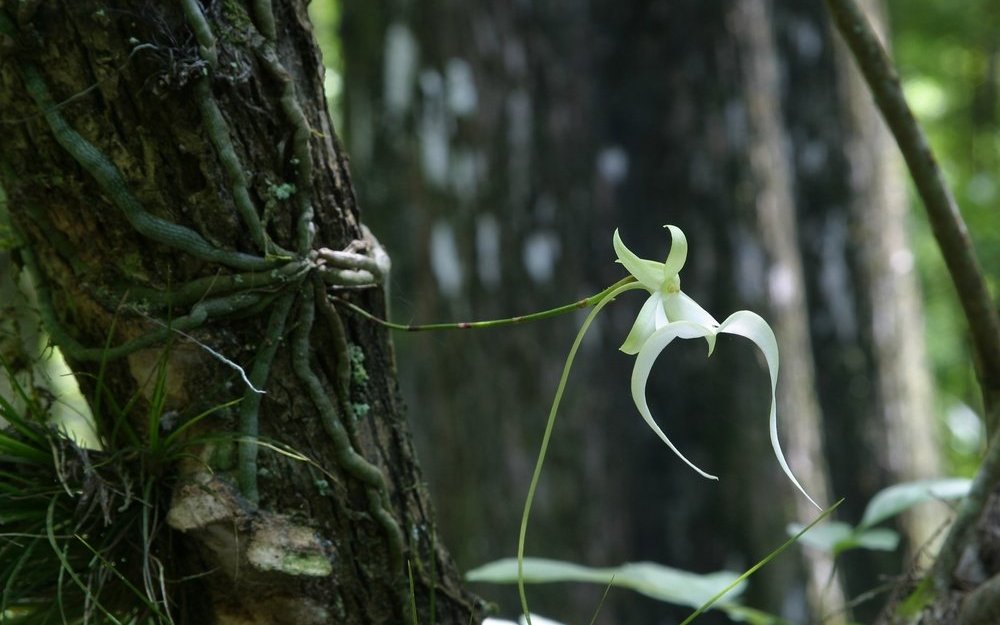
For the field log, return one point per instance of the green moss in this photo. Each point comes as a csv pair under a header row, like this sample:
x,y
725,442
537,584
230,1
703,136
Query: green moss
x,y
323,487
131,264
359,375
282,191
360,410
274,194
223,457
236,15
306,564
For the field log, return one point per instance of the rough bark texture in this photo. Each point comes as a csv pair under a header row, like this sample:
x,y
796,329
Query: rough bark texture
x,y
329,541
726,119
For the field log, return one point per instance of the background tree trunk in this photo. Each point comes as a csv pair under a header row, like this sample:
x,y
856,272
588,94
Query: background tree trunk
x,y
516,139
333,537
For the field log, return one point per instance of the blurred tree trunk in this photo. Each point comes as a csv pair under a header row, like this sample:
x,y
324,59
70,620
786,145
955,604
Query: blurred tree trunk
x,y
505,144
132,140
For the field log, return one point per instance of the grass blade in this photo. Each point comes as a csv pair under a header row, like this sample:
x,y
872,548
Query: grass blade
x,y
753,569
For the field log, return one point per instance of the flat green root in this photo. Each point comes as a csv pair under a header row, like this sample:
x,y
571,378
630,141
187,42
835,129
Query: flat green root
x,y
351,461
250,406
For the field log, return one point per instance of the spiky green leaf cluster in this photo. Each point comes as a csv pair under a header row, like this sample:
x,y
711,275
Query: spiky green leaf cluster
x,y
81,537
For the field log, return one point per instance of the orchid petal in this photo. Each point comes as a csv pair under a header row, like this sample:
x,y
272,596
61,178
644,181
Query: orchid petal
x,y
678,251
649,273
644,364
750,325
645,324
680,307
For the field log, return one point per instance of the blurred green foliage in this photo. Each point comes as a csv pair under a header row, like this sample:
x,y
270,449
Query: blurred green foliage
x,y
325,16
948,55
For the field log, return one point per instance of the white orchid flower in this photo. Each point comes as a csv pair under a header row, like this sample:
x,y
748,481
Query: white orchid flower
x,y
669,314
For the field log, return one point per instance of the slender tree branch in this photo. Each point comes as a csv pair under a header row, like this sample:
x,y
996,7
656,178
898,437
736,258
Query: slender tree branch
x,y
942,210
953,238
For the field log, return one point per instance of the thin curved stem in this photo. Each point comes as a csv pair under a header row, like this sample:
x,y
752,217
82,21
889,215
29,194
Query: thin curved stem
x,y
606,297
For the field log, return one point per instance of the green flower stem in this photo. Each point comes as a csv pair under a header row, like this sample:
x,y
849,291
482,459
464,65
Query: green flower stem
x,y
494,323
604,297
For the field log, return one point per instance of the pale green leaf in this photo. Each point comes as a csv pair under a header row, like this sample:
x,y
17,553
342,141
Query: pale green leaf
x,y
823,537
897,498
836,537
752,326
653,580
535,620
644,365
876,539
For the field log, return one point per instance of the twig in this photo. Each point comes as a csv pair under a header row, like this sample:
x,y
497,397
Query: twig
x,y
946,222
953,238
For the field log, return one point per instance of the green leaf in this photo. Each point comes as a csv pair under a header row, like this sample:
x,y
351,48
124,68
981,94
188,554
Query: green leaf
x,y
877,539
653,580
900,497
837,537
14,450
824,537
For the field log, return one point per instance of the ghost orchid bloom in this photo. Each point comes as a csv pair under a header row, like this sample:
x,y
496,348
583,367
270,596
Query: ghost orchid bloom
x,y
669,314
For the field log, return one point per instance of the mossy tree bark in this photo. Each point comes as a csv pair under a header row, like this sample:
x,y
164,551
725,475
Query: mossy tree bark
x,y
173,164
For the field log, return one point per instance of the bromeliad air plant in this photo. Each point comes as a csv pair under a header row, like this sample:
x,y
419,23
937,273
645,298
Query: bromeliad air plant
x,y
668,314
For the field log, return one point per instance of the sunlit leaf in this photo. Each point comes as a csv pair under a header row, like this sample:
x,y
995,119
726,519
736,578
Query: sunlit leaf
x,y
824,537
900,497
836,537
876,539
653,580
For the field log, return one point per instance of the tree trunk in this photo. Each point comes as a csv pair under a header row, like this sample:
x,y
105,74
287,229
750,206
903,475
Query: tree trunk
x,y
172,173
